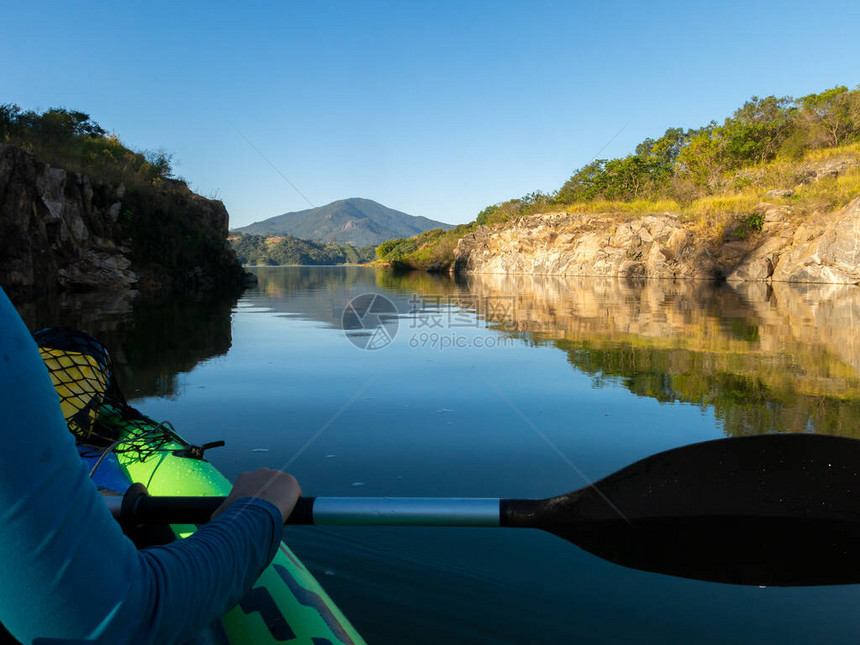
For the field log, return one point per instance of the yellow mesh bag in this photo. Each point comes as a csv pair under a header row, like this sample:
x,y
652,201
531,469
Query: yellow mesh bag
x,y
80,383
91,400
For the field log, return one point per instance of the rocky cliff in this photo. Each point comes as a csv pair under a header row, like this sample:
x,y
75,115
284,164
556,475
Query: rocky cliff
x,y
768,245
66,231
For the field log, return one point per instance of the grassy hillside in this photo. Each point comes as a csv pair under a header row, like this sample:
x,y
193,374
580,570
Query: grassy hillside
x,y
264,250
71,140
712,176
430,249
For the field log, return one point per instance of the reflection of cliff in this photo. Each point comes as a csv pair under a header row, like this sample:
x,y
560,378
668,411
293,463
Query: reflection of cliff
x,y
767,358
151,340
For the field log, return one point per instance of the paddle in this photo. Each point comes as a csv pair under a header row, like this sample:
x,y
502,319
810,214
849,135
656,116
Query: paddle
x,y
762,510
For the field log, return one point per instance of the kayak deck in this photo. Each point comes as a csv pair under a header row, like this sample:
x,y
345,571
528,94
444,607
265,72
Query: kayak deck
x,y
285,605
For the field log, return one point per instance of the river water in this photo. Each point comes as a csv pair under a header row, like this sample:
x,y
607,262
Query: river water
x,y
495,386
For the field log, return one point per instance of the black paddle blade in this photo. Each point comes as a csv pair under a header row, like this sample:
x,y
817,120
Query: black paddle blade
x,y
779,510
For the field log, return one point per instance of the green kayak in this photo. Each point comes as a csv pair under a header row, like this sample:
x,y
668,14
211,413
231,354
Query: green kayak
x,y
123,447
286,605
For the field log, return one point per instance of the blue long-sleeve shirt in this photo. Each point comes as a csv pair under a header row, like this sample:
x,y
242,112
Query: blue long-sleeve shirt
x,y
67,572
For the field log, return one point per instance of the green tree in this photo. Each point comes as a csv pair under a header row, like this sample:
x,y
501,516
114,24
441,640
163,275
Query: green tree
x,y
833,115
384,250
160,160
757,130
667,148
587,183
483,217
703,157
8,119
59,124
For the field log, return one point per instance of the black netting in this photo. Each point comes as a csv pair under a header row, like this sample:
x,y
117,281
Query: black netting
x,y
91,400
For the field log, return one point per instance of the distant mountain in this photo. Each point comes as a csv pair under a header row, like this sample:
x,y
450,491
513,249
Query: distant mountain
x,y
356,221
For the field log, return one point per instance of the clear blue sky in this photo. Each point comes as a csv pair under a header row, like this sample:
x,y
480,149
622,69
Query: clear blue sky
x,y
434,108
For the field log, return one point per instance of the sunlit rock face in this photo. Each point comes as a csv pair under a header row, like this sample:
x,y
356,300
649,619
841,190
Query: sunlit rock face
x,y
656,246
825,249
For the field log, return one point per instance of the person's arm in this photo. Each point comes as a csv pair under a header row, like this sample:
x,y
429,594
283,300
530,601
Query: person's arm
x,y
68,571
191,582
218,564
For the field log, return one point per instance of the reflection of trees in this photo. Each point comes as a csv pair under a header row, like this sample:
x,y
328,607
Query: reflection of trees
x,y
321,293
417,282
150,340
277,284
765,358
747,402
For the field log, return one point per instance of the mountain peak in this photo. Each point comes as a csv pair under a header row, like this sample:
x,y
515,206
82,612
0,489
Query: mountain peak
x,y
356,220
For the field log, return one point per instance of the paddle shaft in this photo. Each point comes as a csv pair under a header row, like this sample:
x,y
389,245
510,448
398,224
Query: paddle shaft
x,y
323,511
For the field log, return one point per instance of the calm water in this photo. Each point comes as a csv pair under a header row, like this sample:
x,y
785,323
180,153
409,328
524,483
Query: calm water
x,y
609,371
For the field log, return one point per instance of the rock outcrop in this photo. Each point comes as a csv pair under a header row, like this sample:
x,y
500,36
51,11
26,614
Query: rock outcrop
x,y
823,251
65,231
559,244
767,246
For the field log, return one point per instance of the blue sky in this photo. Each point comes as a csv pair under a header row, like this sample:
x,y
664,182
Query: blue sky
x,y
434,108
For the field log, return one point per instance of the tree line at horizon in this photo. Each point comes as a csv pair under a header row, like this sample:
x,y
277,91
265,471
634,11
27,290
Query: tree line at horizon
x,y
676,169
685,165
717,172
265,250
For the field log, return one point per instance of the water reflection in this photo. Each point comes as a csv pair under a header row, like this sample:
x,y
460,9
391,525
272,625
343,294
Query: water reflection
x,y
768,358
151,339
322,293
